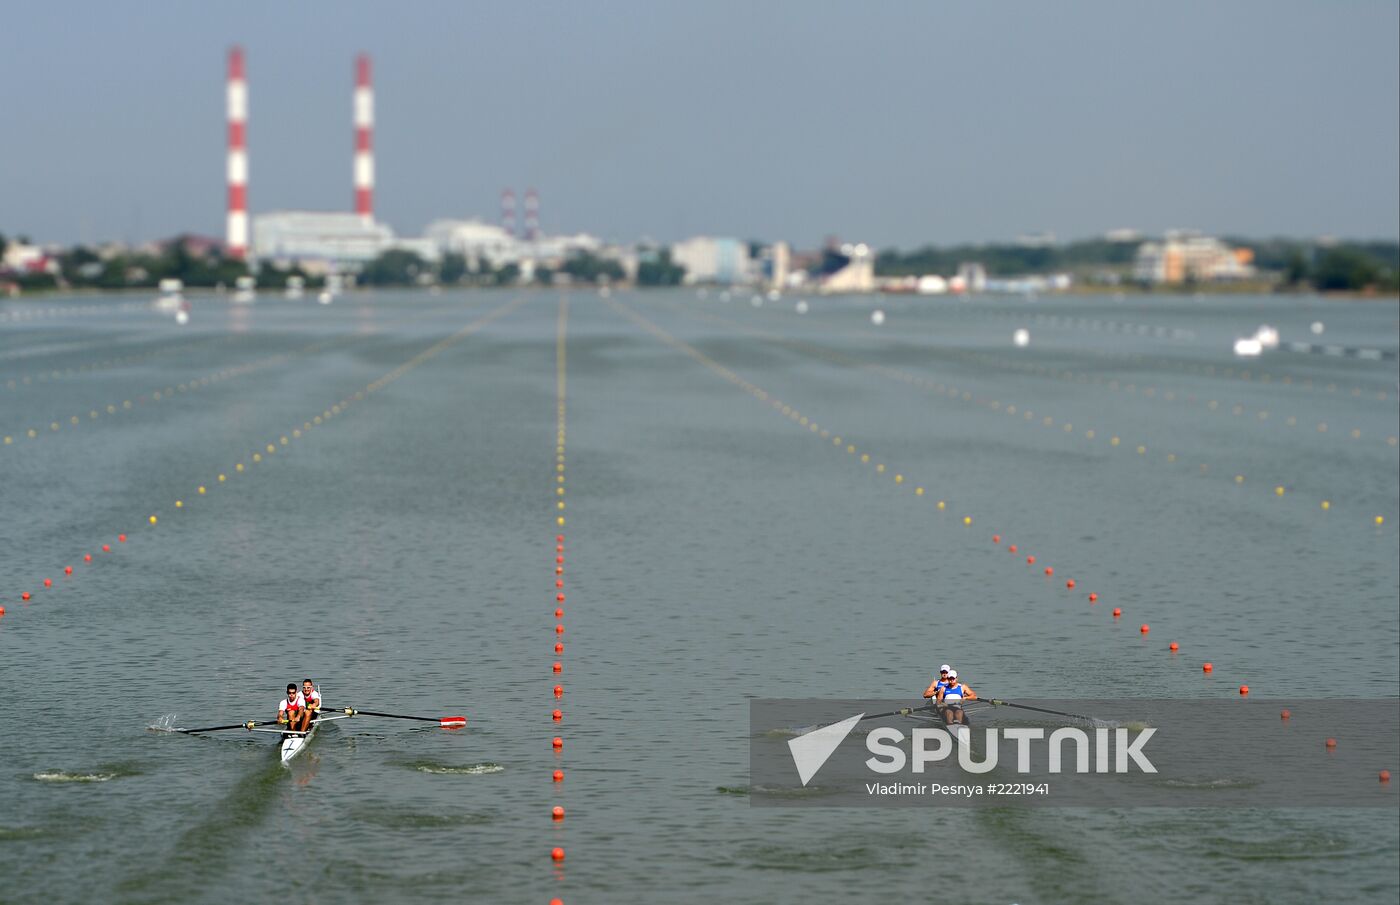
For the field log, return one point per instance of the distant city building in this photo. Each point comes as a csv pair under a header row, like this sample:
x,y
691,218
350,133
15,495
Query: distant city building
x,y
973,276
1190,256
22,258
711,260
337,239
1122,235
476,241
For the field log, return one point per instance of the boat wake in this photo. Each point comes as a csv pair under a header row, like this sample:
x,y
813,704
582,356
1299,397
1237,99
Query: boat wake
x,y
481,769
100,774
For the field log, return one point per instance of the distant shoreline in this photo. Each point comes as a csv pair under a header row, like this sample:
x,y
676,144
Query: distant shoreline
x,y
1226,289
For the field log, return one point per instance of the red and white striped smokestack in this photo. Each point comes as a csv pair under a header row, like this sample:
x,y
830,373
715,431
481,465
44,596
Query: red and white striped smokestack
x,y
364,139
532,214
508,210
237,232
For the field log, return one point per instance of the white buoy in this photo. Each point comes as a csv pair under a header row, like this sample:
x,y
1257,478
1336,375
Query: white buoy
x,y
802,306
1267,336
774,295
1317,328
324,298
1249,347
182,317
877,317
756,301
1022,338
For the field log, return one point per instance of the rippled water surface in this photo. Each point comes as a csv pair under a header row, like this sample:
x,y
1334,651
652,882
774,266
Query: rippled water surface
x,y
399,548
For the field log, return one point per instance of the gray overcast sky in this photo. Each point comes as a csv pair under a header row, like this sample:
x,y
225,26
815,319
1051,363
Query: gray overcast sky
x,y
892,123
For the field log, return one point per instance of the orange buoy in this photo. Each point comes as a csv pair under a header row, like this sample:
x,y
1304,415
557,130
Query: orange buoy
x,y
559,629
1093,598
558,775
996,538
87,557
558,582
1207,667
558,560
558,667
1385,776
1030,560
121,538
1011,549
2,611
557,715
1145,628
1117,612
1070,584
559,538
1244,689
559,598
1331,743
48,582
557,813
558,612
1284,714
106,548
1173,647
67,570
556,902
24,596
559,647
558,743
558,570
558,691
557,854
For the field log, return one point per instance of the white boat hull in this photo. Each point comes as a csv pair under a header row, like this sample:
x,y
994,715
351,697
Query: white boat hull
x,y
292,745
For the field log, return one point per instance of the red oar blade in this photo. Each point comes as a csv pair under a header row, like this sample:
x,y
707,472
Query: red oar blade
x,y
452,722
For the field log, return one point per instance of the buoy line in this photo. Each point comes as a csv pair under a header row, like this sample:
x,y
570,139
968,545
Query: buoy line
x,y
840,442
285,440
1115,441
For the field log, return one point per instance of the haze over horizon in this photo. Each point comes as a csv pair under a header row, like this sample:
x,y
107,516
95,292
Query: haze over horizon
x,y
894,126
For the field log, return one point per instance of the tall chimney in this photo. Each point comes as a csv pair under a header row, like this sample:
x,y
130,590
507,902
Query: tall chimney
x,y
236,235
532,214
364,139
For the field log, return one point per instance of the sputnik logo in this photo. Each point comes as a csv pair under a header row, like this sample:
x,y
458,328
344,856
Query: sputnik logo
x,y
812,749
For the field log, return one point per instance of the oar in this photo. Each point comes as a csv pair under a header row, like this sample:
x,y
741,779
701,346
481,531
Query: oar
x,y
1074,716
903,711
248,725
446,722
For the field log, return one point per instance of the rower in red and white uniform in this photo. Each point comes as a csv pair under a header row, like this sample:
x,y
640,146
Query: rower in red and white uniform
x,y
291,710
312,699
951,697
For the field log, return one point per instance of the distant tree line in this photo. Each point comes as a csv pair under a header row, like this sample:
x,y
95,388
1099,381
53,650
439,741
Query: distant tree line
x,y
1007,260
1350,266
407,268
84,268
1329,267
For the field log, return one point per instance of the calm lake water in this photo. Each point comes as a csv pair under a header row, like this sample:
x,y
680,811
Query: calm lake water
x,y
401,552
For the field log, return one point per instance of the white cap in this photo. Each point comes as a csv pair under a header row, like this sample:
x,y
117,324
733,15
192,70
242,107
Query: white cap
x,y
952,673
944,668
